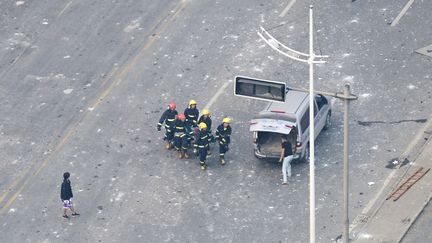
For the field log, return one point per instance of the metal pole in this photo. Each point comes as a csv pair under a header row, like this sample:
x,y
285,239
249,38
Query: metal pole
x,y
311,134
345,235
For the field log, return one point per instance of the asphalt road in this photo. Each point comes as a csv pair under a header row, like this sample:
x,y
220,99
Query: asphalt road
x,y
82,86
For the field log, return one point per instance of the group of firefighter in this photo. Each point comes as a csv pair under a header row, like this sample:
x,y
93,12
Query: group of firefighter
x,y
189,130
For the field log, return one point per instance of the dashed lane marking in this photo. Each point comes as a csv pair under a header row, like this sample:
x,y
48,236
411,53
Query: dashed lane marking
x,y
287,8
404,10
216,96
64,9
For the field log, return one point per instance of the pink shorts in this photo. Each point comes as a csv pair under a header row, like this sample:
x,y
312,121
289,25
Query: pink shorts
x,y
67,203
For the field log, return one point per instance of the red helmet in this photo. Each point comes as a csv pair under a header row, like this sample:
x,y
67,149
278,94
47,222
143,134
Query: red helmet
x,y
172,106
181,116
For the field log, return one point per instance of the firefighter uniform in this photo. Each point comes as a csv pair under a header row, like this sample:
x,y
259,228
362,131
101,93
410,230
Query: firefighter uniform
x,y
205,118
223,135
180,137
192,114
202,144
169,118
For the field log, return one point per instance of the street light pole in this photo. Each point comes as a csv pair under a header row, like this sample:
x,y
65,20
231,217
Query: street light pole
x,y
345,95
310,59
311,133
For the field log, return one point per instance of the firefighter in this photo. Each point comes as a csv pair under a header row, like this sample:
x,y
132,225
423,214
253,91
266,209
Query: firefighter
x,y
202,144
205,117
223,135
192,113
169,118
180,138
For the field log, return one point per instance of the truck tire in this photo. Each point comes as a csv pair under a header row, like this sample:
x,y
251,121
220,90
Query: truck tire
x,y
305,158
327,121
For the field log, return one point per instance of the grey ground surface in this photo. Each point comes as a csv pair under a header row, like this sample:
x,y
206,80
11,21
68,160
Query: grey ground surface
x,y
420,230
82,86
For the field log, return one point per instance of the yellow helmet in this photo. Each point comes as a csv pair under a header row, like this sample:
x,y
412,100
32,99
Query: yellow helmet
x,y
226,120
205,112
202,125
192,102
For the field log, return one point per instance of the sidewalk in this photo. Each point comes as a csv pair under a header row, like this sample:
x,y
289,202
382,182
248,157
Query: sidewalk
x,y
387,221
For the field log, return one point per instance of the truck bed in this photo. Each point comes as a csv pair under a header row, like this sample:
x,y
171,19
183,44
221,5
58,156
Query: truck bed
x,y
270,143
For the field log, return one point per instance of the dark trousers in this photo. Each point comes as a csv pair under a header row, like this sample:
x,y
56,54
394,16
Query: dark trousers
x,y
169,135
202,155
181,142
223,148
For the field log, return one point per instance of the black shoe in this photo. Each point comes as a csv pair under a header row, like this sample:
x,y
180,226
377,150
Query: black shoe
x,y
65,216
75,214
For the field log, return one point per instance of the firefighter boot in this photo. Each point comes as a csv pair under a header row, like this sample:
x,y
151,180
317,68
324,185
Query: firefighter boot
x,y
203,166
222,159
185,154
168,145
181,154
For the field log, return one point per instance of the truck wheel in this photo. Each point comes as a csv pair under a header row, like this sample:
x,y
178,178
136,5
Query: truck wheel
x,y
305,158
327,121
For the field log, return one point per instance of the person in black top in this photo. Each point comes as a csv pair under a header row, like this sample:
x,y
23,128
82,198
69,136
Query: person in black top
x,y
169,118
66,196
286,156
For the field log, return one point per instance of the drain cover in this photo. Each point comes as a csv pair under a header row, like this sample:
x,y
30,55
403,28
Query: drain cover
x,y
427,50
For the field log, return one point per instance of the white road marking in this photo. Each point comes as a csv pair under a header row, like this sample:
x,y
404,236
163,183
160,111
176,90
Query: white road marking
x,y
218,93
64,9
287,8
404,10
427,50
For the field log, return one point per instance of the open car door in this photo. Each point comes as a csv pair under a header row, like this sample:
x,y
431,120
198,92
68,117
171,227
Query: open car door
x,y
271,125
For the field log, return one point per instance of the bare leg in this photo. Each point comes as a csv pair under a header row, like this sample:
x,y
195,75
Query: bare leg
x,y
73,211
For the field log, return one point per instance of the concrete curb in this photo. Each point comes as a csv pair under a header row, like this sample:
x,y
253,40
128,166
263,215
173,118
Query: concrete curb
x,y
415,218
412,153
